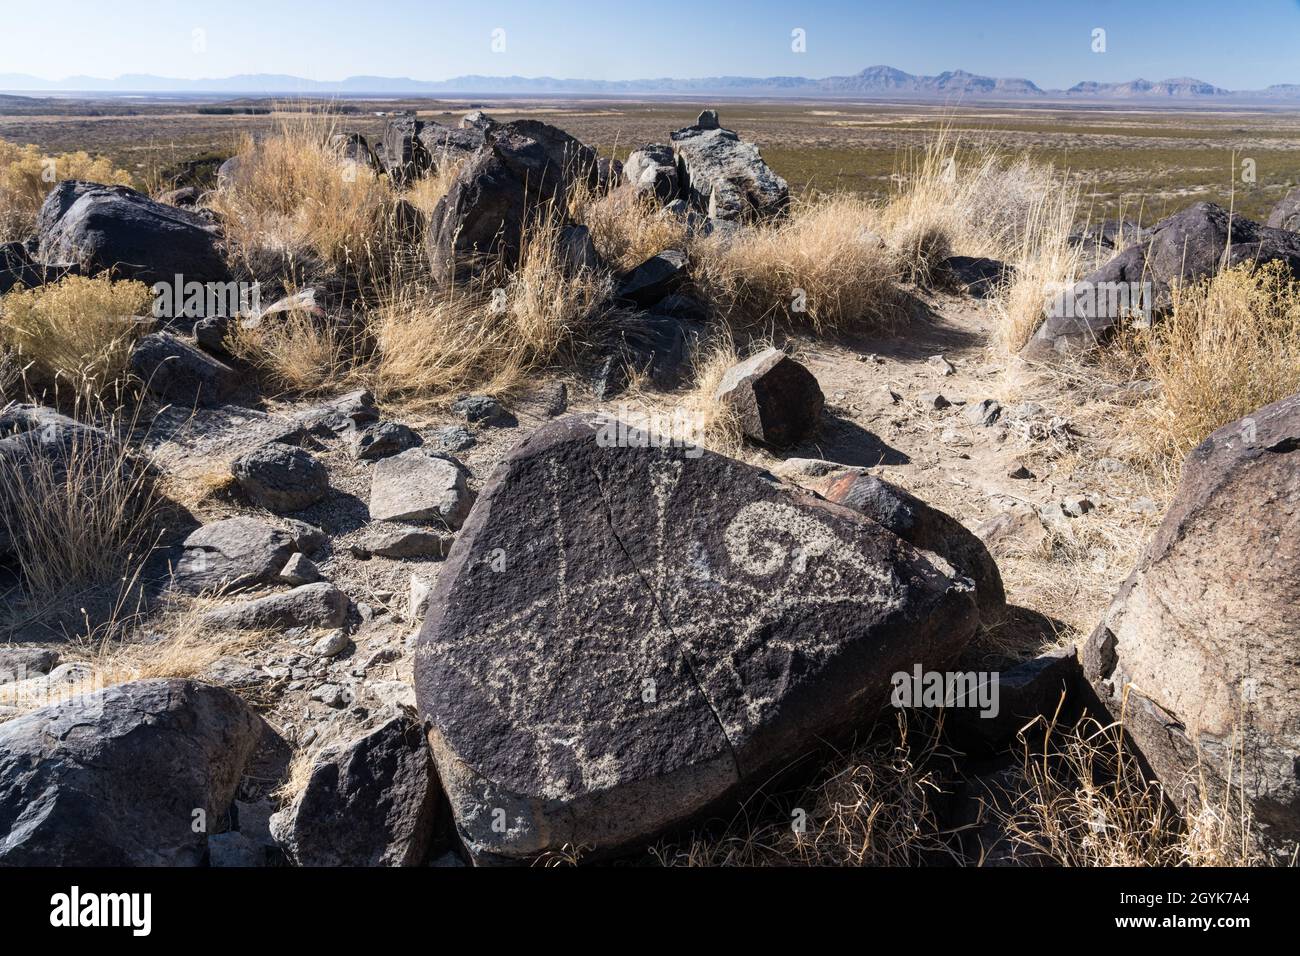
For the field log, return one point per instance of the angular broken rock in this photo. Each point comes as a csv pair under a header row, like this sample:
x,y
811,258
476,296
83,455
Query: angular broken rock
x,y
419,486
381,439
924,526
1198,650
178,372
725,177
281,478
777,400
368,802
311,605
399,542
623,636
114,778
232,554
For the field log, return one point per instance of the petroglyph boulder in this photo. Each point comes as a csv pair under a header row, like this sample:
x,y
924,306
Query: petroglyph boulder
x,y
627,633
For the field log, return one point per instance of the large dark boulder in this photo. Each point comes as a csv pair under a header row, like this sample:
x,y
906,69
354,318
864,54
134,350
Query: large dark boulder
x,y
118,230
134,775
479,220
523,172
629,631
1198,651
725,177
368,802
1184,248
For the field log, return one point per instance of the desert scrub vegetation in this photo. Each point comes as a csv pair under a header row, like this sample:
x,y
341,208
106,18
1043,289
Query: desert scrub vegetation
x,y
27,175
296,352
873,805
298,195
1080,798
431,343
824,268
627,229
75,334
1230,345
79,508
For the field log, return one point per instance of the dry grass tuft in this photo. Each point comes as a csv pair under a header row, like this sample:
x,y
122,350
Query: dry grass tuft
x,y
300,196
973,200
874,806
1084,801
27,175
825,268
627,229
1230,346
77,333
431,344
79,513
297,352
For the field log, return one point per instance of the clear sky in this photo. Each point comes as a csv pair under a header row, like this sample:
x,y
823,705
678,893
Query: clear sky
x,y
1239,45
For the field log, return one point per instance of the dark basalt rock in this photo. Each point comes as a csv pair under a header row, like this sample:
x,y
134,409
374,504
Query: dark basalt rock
x,y
119,777
626,633
778,401
118,230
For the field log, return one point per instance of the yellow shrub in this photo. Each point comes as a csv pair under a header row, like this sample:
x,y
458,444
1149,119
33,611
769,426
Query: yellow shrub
x,y
27,175
77,332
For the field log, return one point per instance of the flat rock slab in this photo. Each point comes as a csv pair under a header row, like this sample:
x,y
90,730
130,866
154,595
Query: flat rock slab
x,y
201,443
231,555
319,605
625,635
419,485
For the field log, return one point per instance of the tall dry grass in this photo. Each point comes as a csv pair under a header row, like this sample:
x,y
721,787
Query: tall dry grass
x,y
27,175
297,352
627,229
429,344
876,805
825,268
75,334
299,195
958,198
79,508
1230,345
1083,800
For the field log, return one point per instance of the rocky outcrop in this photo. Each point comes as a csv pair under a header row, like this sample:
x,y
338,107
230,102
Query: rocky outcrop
x,y
725,177
118,230
133,775
1188,246
627,632
367,802
1198,650
777,401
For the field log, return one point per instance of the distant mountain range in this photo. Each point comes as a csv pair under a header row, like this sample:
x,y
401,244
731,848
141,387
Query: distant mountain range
x,y
873,82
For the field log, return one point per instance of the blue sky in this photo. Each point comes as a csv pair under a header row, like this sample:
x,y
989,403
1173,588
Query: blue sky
x,y
1235,45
